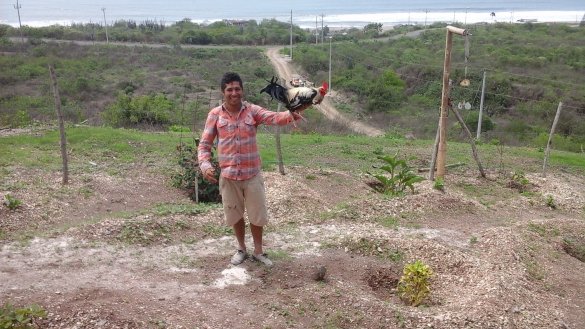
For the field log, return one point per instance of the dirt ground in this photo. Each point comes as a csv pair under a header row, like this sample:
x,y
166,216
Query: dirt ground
x,y
98,253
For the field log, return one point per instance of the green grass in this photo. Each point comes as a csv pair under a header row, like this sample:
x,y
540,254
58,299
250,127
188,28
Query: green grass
x,y
116,149
88,147
389,222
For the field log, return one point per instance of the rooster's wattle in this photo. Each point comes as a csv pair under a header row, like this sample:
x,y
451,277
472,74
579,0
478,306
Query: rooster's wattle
x,y
295,98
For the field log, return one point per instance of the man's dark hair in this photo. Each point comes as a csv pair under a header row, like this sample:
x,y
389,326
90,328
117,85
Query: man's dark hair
x,y
230,77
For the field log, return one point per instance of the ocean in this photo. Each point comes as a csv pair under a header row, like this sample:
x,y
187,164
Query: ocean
x,y
307,14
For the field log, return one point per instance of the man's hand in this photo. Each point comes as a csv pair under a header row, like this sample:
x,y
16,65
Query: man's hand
x,y
209,175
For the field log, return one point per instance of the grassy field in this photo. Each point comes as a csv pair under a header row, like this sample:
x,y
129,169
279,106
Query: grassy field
x,y
117,149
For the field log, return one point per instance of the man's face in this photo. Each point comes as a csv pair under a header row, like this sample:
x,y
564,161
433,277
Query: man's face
x,y
232,94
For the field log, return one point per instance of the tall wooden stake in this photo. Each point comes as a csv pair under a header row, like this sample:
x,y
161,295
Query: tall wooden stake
x,y
434,157
291,36
61,124
479,118
552,132
442,151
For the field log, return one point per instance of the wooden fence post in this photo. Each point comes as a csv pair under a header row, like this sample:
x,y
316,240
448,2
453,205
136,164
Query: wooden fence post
x,y
552,132
61,124
442,148
279,148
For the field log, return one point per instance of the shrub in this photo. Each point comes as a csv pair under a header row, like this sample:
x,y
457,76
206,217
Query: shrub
x,y
129,110
550,202
398,177
439,184
11,317
413,286
519,182
191,178
11,202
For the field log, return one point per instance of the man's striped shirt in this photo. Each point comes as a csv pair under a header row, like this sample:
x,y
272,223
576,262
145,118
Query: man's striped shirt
x,y
237,149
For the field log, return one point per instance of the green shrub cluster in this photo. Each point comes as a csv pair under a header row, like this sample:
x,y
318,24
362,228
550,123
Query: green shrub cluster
x,y
20,318
191,179
131,110
414,285
397,178
11,202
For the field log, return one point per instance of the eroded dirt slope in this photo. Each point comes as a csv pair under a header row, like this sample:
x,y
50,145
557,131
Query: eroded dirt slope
x,y
102,257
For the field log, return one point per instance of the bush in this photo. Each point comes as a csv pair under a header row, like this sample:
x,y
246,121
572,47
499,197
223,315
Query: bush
x,y
398,177
192,180
413,286
129,110
20,318
11,202
472,119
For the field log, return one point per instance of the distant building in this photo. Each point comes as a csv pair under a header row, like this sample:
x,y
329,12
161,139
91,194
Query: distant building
x,y
236,22
527,20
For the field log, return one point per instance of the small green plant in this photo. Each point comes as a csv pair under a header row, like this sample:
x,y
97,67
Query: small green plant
x,y
550,202
20,318
217,231
373,247
389,221
144,233
378,150
439,184
11,202
179,129
519,182
413,286
398,177
345,149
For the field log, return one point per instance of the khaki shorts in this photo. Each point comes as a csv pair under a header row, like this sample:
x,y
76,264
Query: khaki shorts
x,y
247,195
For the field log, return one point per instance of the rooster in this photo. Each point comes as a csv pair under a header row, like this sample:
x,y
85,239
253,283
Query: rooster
x,y
295,98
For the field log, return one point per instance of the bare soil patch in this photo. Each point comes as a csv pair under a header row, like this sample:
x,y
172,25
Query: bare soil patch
x,y
499,257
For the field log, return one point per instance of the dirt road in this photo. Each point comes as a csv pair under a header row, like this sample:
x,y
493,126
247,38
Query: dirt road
x,y
285,72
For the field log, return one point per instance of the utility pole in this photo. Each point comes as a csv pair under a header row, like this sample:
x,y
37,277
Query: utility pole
x,y
106,25
291,35
322,29
316,30
481,107
442,152
426,13
330,39
17,7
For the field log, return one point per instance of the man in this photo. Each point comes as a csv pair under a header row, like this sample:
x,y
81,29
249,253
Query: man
x,y
241,185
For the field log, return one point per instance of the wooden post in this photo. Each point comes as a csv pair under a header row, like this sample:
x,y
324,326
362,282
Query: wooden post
x,y
279,148
552,132
434,156
442,151
61,124
479,118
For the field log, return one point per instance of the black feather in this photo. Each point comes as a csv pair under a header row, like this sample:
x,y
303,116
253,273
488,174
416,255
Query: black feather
x,y
276,91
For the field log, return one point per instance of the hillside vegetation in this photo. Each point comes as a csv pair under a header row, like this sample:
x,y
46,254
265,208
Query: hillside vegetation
x,y
394,82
